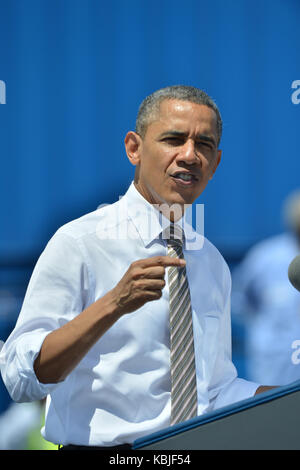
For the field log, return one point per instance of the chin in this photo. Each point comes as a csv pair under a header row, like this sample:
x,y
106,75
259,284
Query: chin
x,y
184,199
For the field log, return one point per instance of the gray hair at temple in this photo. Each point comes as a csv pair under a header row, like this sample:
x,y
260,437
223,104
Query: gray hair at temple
x,y
149,108
291,211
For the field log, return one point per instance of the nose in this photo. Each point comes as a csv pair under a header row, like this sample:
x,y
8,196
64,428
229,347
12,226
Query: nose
x,y
188,153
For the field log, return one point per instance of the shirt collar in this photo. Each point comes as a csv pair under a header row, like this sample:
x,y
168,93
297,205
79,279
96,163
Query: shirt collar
x,y
150,222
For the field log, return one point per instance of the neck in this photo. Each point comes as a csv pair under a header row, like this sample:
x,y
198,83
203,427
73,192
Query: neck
x,y
171,211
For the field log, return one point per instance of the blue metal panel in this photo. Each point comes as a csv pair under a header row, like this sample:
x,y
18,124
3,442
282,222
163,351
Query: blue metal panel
x,y
75,72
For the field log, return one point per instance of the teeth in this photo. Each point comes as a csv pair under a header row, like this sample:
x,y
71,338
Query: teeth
x,y
184,176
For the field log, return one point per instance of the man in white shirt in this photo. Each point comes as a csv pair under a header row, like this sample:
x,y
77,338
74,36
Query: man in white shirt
x,y
93,332
267,303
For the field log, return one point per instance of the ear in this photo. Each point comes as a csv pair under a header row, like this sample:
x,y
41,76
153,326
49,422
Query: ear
x,y
133,143
218,159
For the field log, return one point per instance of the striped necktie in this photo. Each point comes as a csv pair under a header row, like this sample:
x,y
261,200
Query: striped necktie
x,y
182,356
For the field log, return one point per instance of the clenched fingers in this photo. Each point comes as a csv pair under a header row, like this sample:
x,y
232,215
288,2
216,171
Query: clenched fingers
x,y
163,261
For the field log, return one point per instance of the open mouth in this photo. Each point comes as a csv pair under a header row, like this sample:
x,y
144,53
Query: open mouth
x,y
185,178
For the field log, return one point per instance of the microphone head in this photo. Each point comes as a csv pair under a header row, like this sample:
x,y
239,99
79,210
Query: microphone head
x,y
294,272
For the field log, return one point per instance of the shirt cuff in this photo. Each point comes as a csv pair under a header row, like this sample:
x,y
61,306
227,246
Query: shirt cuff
x,y
20,378
237,390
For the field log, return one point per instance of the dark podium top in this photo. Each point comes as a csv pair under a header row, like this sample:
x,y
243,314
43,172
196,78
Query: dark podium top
x,y
266,421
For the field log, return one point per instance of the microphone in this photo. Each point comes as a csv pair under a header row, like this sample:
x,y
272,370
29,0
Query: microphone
x,y
294,272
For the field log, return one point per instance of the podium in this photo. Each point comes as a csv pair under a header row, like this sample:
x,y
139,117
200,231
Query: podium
x,y
268,421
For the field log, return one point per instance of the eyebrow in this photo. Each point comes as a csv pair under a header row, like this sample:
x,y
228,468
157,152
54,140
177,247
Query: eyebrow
x,y
181,134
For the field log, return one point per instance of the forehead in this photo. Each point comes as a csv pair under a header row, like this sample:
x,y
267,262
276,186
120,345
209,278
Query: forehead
x,y
185,116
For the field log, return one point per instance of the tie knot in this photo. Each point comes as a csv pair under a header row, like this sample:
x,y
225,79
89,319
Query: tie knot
x,y
174,235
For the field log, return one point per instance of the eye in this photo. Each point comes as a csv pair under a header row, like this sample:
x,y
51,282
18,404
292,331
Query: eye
x,y
173,140
204,144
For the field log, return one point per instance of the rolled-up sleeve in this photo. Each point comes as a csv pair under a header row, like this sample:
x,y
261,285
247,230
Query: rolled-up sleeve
x,y
56,293
17,359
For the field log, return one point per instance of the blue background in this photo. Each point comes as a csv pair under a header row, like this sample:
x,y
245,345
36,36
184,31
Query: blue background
x,y
76,72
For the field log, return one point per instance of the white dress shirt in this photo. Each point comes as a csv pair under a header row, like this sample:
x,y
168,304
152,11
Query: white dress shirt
x,y
120,390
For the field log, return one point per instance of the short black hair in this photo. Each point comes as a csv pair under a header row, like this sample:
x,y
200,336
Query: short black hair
x,y
149,108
